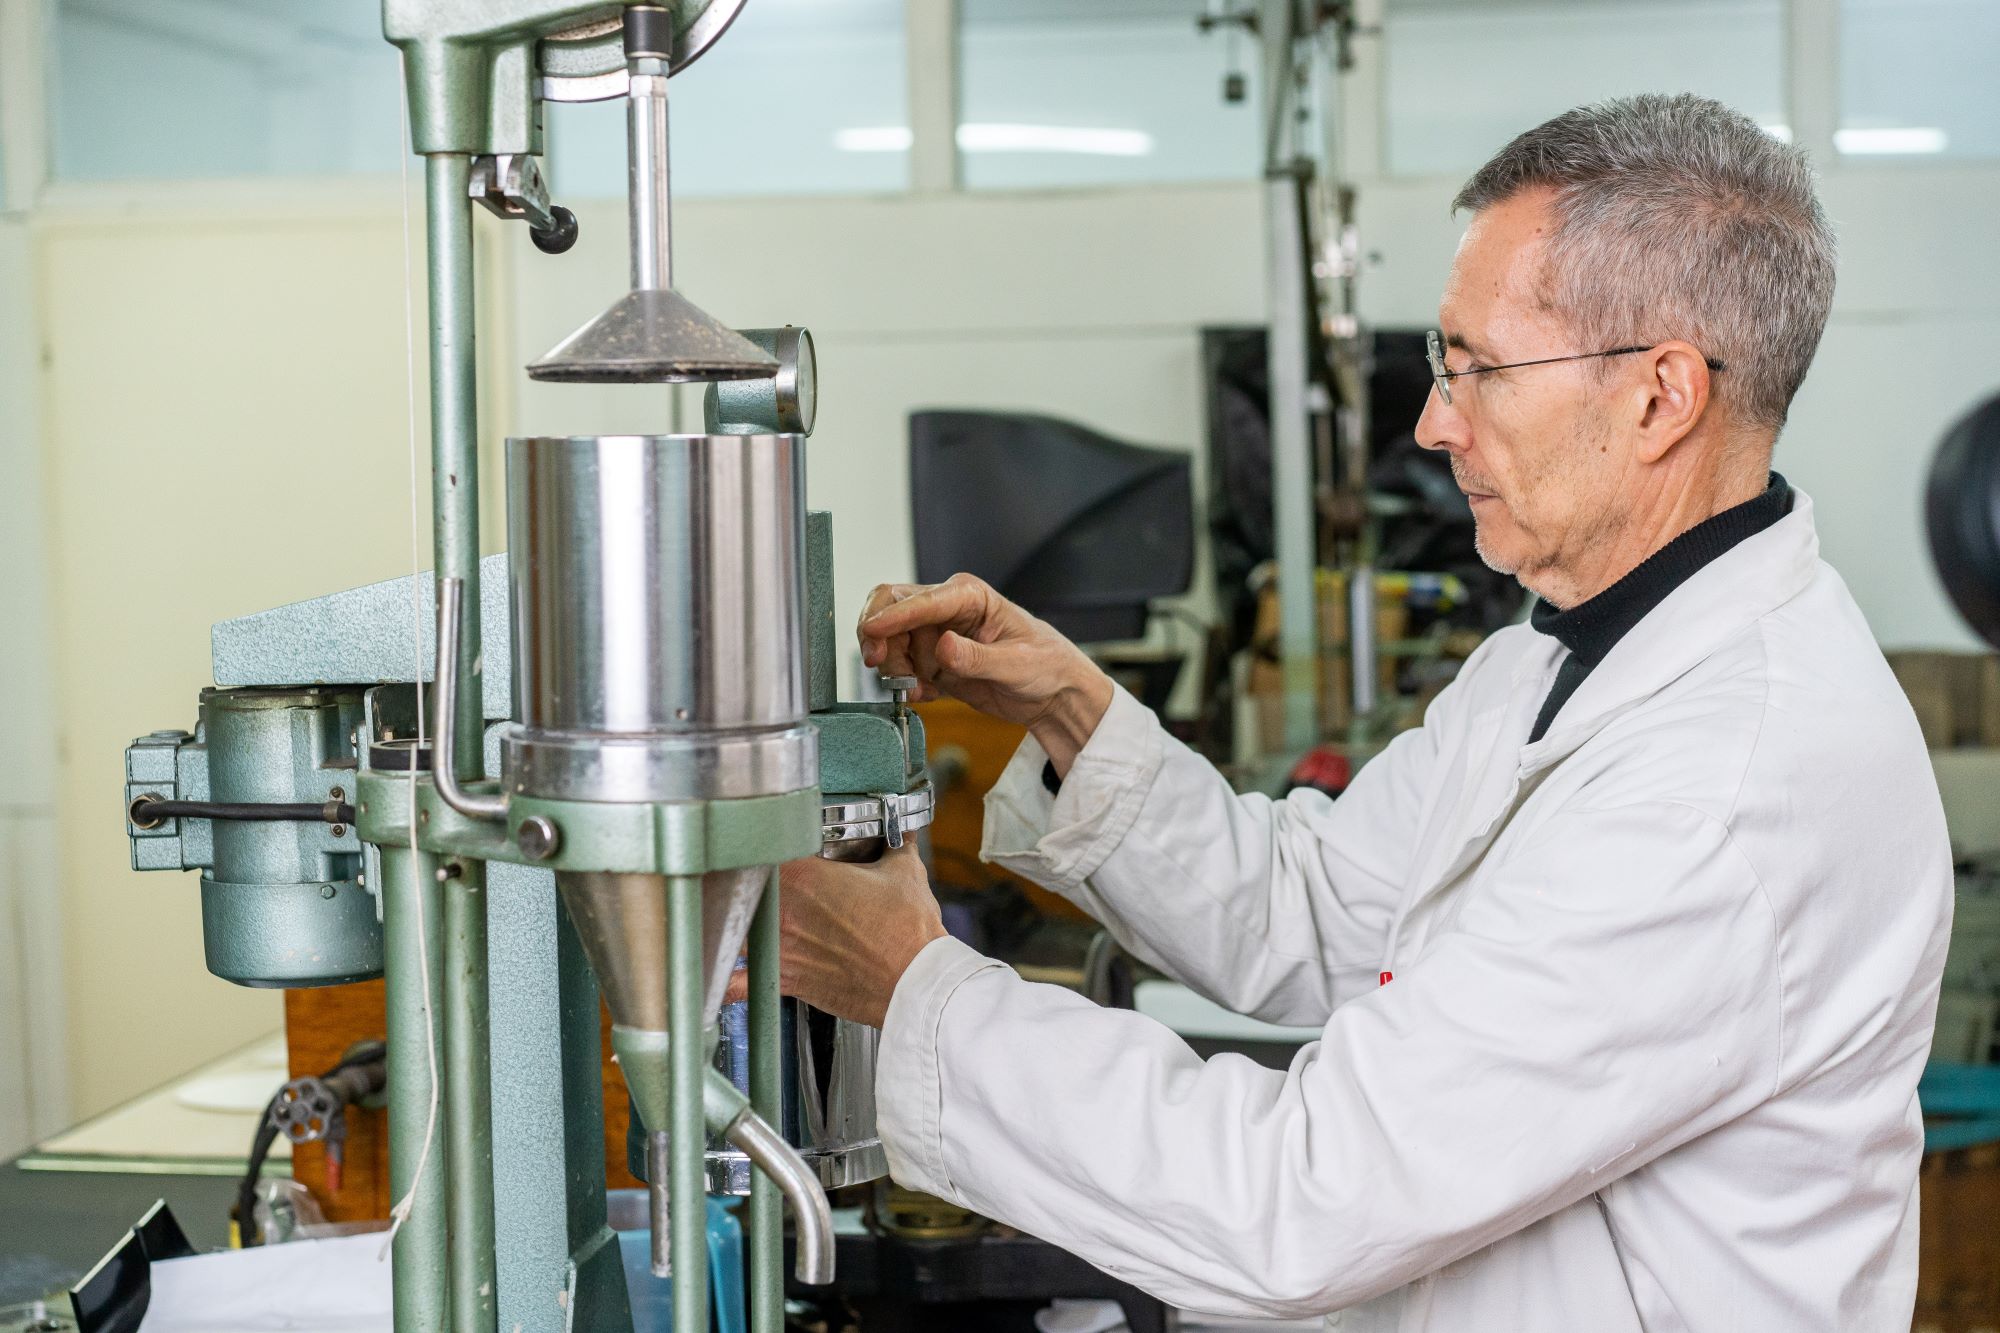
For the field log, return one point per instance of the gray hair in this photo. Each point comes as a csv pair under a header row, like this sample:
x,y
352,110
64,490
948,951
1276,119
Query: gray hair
x,y
1678,218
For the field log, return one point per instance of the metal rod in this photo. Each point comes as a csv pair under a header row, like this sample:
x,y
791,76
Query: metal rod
x,y
450,762
686,1052
409,897
767,1209
646,175
455,431
1293,519
1361,645
468,1096
659,1200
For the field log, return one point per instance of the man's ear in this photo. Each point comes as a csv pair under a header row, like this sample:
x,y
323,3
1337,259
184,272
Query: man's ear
x,y
1672,398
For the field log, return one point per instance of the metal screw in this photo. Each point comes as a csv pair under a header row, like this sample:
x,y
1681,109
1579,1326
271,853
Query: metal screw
x,y
326,890
340,830
899,688
538,837
336,794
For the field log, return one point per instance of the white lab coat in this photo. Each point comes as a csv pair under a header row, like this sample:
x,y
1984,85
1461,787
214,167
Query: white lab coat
x,y
1663,982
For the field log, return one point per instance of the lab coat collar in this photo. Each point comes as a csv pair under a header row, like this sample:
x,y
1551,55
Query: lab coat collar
x,y
1749,581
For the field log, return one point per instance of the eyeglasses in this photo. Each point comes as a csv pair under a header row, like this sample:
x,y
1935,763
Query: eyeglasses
x,y
1434,353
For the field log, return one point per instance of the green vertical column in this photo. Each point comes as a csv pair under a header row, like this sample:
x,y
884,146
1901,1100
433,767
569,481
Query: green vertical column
x,y
767,1207
455,427
687,1058
412,937
468,1096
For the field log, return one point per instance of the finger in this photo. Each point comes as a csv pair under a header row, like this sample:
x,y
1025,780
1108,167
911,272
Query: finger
x,y
956,604
874,647
967,659
739,987
923,654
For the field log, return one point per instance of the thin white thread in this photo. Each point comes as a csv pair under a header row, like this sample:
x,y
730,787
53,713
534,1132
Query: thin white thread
x,y
401,1212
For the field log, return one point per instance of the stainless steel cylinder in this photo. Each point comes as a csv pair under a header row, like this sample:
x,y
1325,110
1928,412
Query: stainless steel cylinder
x,y
658,589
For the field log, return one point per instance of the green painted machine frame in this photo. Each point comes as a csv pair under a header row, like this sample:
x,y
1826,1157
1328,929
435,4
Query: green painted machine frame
x,y
496,1142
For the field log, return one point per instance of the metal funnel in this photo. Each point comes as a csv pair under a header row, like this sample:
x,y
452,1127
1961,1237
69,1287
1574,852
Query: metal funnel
x,y
622,921
653,336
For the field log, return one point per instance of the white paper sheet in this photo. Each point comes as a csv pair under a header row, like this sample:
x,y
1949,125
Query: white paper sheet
x,y
339,1285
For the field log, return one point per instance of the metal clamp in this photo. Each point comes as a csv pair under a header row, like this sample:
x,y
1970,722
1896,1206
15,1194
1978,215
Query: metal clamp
x,y
890,815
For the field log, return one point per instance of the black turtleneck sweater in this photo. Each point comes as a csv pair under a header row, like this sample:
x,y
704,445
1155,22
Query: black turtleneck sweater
x,y
1592,628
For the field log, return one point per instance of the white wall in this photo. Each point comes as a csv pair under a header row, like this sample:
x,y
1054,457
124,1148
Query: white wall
x,y
33,1061
224,430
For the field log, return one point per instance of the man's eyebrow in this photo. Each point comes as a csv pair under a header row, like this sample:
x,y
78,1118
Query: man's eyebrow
x,y
1463,343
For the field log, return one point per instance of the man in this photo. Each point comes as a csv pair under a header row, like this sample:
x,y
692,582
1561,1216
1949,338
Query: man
x,y
1626,961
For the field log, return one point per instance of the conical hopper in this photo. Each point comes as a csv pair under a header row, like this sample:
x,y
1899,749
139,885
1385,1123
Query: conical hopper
x,y
622,921
653,336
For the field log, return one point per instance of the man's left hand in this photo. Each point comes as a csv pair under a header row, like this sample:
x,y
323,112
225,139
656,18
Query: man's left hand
x,y
850,931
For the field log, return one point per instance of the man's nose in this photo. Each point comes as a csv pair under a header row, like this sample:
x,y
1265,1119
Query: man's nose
x,y
1441,426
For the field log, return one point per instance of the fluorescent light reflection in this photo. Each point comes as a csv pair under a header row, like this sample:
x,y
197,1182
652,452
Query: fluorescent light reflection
x,y
874,139
985,138
1902,139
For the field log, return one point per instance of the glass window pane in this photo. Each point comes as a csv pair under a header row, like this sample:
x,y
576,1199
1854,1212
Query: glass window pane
x,y
1464,79
1090,92
1918,77
210,88
771,108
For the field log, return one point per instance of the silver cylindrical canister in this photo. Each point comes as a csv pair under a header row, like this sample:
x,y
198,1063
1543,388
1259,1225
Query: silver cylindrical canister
x,y
658,587
829,1063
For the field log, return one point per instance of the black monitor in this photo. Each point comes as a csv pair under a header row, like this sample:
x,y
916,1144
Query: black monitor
x,y
1080,529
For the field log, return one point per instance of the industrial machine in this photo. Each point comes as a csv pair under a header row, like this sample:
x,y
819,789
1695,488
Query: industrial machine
x,y
514,783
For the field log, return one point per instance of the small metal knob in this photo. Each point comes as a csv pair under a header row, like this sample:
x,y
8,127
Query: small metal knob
x,y
538,837
900,689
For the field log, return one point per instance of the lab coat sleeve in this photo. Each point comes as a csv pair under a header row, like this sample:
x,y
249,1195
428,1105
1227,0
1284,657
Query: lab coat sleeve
x,y
1276,909
1612,994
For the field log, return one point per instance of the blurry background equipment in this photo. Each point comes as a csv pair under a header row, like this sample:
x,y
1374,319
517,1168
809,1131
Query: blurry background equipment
x,y
1957,701
1084,531
1081,530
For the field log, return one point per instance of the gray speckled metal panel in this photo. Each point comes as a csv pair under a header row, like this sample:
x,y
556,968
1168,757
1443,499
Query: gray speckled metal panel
x,y
362,637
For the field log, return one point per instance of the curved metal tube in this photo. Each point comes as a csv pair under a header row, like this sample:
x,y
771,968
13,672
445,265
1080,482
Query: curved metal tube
x,y
782,1163
444,765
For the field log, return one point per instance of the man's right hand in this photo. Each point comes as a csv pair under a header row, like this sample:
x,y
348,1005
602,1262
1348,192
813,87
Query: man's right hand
x,y
960,638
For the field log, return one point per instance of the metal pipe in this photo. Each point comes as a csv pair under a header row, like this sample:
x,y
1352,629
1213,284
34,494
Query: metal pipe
x,y
777,1159
468,1096
413,937
729,1114
455,434
687,1057
659,1200
1293,519
450,762
767,1073
646,175
1361,645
